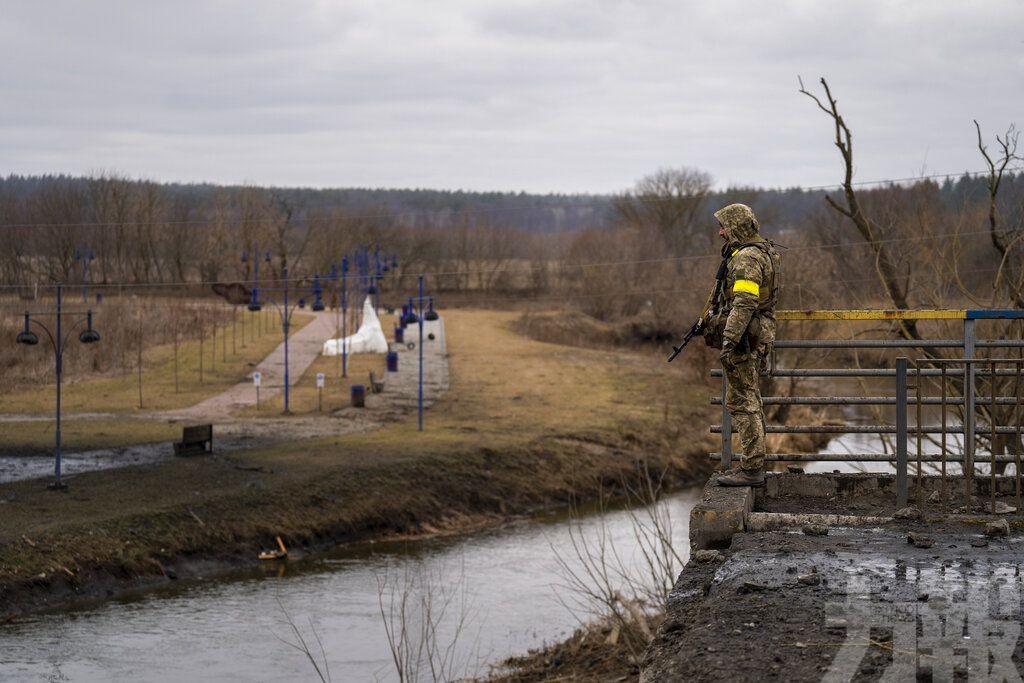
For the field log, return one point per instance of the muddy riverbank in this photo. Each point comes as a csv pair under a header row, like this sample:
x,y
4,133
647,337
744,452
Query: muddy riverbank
x,y
452,493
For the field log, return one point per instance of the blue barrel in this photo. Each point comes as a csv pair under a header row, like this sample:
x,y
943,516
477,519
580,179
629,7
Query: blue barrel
x,y
399,335
358,396
393,361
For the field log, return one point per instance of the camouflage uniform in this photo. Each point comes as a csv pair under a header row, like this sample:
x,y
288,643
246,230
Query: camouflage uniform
x,y
750,291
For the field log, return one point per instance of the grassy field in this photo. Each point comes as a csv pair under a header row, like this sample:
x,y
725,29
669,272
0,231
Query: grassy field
x,y
525,424
305,399
119,393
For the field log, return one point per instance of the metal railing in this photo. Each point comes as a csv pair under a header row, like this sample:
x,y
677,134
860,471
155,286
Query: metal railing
x,y
963,380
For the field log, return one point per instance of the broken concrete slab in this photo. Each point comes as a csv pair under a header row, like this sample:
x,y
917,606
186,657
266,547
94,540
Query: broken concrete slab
x,y
719,516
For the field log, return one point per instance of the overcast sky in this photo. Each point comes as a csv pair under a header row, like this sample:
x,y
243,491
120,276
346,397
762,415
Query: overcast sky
x,y
542,96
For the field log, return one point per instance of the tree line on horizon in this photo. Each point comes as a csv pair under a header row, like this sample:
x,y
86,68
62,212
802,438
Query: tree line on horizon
x,y
657,241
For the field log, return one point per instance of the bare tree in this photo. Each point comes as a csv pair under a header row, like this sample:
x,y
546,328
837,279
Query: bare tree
x,y
1006,240
669,202
875,234
425,618
603,581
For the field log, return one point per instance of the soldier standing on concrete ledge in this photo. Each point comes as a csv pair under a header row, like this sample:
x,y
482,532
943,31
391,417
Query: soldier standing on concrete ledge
x,y
743,327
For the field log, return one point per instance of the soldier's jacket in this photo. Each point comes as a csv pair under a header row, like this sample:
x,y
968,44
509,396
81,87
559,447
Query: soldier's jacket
x,y
753,277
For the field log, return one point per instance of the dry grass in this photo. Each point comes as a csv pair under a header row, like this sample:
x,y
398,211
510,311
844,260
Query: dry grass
x,y
117,391
525,423
304,397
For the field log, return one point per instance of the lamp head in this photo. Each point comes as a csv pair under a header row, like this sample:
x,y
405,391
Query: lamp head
x,y
89,335
27,336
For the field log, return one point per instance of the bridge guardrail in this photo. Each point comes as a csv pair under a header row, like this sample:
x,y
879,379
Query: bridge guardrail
x,y
962,379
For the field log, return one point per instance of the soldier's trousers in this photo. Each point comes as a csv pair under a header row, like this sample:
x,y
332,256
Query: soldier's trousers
x,y
743,400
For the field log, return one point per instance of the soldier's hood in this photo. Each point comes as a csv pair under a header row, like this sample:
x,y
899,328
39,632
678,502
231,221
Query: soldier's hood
x,y
740,223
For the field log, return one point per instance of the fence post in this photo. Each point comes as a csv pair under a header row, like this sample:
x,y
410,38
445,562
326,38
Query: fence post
x,y
726,430
901,431
969,408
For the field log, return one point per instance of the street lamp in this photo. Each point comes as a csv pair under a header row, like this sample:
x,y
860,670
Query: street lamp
x,y
341,279
58,341
254,304
285,312
417,315
86,256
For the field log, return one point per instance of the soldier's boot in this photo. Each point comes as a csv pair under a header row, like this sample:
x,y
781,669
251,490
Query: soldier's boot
x,y
753,478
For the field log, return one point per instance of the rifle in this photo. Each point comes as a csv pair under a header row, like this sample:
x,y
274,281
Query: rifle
x,y
710,308
697,328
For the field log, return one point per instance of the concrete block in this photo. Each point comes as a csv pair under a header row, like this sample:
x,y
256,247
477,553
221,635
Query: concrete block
x,y
719,516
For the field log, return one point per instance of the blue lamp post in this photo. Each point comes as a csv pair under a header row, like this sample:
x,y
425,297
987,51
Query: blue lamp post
x,y
254,304
344,316
285,311
58,342
86,256
418,314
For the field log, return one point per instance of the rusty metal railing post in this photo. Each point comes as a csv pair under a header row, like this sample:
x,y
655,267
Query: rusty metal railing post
x,y
901,431
920,435
1018,412
992,419
969,411
726,429
945,492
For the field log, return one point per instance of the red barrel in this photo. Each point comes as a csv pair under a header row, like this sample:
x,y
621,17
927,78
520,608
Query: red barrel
x,y
358,396
392,361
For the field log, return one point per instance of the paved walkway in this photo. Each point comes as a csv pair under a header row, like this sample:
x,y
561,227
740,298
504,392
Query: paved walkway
x,y
304,347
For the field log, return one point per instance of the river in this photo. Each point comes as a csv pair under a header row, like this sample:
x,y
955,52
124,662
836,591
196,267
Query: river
x,y
505,584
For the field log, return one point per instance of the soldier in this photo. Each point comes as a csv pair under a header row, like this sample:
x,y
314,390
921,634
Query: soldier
x,y
744,326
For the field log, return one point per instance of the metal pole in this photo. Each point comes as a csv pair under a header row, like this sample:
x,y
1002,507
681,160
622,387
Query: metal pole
x,y
920,436
992,420
284,320
337,315
199,318
945,494
1019,414
420,398
344,316
969,411
901,431
59,353
726,429
140,359
176,360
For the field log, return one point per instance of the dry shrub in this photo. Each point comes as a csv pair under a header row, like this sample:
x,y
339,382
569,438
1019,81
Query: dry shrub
x,y
570,328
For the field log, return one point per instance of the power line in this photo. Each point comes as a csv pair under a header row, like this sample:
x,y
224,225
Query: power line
x,y
494,210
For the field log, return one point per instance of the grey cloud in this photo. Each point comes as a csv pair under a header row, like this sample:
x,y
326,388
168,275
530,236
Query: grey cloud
x,y
546,96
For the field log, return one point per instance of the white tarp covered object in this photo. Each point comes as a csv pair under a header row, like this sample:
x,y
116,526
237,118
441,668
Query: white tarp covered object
x,y
369,338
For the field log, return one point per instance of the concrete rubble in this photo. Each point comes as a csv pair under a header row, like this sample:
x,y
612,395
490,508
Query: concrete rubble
x,y
900,593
